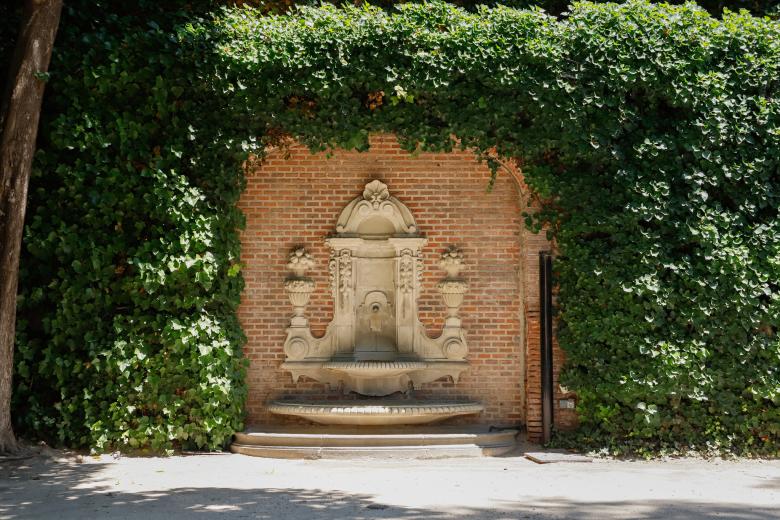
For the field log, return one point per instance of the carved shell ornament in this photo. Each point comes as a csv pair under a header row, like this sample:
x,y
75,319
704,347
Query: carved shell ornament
x,y
376,201
376,192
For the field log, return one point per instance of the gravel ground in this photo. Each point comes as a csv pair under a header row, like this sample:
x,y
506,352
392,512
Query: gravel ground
x,y
61,486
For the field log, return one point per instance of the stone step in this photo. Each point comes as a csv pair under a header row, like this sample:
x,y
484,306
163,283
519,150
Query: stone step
x,y
374,442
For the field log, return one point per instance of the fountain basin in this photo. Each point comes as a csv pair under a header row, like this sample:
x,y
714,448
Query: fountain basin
x,y
375,368
375,413
375,378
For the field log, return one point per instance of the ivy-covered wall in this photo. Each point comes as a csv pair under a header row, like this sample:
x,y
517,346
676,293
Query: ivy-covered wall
x,y
555,7
651,135
127,329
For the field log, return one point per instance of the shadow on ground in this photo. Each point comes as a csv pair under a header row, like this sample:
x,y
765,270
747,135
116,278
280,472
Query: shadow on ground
x,y
772,484
68,490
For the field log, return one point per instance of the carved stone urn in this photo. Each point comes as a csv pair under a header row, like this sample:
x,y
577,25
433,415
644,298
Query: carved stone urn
x,y
452,288
298,286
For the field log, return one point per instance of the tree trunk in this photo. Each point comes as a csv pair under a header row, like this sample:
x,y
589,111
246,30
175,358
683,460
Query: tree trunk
x,y
19,115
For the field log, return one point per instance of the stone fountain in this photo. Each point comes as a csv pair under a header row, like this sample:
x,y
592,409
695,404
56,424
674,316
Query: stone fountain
x,y
376,345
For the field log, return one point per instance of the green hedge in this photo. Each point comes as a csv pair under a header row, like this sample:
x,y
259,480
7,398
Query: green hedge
x,y
128,336
650,134
556,7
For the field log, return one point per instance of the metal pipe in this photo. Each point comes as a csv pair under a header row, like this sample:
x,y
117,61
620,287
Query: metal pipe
x,y
546,344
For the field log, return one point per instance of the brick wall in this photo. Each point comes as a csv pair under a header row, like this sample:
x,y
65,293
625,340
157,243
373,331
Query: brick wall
x,y
294,198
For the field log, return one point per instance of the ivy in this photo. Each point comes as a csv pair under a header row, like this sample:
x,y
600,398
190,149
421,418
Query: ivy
x,y
649,133
555,7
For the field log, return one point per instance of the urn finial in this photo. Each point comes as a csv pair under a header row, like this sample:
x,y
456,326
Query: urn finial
x,y
452,262
299,261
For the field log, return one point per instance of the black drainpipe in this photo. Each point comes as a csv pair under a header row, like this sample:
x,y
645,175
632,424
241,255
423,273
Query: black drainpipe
x,y
546,318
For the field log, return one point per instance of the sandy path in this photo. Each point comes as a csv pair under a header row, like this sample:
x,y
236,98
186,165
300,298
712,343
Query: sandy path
x,y
236,486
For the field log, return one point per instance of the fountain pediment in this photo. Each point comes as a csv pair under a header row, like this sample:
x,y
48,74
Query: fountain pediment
x,y
376,214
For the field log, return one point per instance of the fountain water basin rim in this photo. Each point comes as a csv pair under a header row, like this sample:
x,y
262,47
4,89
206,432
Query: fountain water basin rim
x,y
375,412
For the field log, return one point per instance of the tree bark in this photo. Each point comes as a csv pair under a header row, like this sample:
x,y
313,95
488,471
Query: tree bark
x,y
19,116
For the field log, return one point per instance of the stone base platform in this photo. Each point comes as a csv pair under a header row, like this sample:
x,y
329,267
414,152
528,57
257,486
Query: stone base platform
x,y
332,442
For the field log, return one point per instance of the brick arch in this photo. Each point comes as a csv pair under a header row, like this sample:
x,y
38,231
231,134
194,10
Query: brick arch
x,y
294,198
